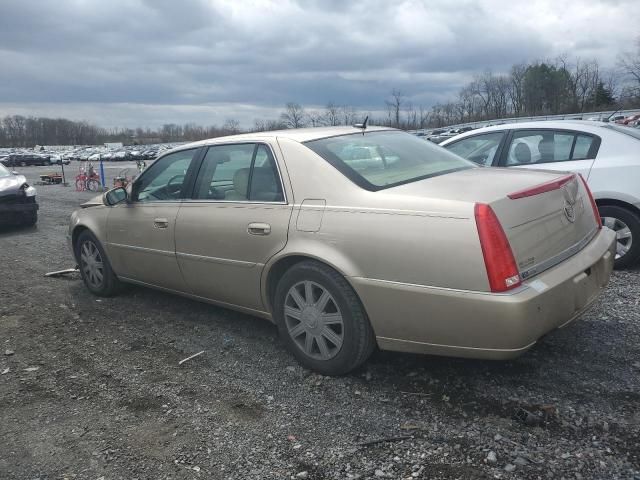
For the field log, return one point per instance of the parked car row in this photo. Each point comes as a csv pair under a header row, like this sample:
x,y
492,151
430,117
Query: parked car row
x,y
17,157
23,159
440,135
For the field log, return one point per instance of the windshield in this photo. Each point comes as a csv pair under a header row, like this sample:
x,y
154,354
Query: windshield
x,y
3,171
384,159
632,132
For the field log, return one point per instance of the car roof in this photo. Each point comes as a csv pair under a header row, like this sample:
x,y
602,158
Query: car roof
x,y
588,126
296,134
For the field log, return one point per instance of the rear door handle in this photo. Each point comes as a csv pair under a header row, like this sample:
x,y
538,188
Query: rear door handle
x,y
259,229
160,223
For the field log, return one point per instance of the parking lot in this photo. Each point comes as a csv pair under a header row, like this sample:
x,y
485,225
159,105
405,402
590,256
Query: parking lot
x,y
92,388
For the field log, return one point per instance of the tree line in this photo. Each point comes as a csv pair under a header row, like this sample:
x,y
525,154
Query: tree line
x,y
561,86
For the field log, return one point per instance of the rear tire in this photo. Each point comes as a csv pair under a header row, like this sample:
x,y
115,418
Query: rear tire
x,y
95,269
626,224
321,320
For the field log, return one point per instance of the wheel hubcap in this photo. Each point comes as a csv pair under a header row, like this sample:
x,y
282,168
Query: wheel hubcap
x,y
623,235
91,263
313,320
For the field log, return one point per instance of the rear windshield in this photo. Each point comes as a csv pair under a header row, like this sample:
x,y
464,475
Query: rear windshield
x,y
384,159
632,132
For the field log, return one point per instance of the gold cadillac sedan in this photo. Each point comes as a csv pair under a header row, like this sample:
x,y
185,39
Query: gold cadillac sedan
x,y
350,238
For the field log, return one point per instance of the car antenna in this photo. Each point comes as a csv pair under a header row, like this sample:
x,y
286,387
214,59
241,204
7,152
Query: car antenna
x,y
362,125
609,117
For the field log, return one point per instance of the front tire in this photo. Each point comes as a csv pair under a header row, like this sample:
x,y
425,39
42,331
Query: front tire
x,y
95,269
626,224
321,320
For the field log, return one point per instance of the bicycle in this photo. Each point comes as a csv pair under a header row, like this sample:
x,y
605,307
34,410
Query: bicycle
x,y
88,179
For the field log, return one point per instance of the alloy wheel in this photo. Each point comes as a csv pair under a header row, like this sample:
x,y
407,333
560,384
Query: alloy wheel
x,y
624,237
313,320
91,264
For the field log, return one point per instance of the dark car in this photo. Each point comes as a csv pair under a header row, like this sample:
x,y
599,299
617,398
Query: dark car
x,y
26,159
17,199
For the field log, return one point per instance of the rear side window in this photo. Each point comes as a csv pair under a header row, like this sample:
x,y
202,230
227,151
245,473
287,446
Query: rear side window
x,y
582,147
384,159
480,149
239,173
547,146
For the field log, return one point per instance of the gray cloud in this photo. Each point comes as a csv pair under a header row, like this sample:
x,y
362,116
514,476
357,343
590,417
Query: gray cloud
x,y
177,60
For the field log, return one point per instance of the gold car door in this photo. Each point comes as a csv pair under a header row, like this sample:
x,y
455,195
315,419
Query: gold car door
x,y
237,219
140,233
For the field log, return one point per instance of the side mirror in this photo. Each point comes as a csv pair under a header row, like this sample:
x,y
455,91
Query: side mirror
x,y
115,196
13,172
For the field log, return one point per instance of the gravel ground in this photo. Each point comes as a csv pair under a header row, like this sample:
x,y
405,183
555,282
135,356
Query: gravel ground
x,y
91,389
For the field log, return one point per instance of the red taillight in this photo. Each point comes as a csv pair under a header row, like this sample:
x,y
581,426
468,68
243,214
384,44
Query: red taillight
x,y
593,202
542,188
502,270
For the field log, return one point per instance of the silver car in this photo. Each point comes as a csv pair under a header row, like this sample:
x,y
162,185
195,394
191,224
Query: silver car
x,y
352,238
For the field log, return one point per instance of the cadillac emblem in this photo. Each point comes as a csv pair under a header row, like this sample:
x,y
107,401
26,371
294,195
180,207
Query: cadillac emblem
x,y
570,193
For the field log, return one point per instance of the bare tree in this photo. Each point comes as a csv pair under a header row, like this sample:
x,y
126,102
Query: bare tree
x,y
294,115
516,93
630,63
394,104
316,118
349,115
412,116
332,114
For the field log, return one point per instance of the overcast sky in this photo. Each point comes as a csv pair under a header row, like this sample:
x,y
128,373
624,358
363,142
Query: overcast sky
x,y
149,62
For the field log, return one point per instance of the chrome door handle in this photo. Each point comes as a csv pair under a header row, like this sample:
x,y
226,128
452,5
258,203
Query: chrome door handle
x,y
160,223
259,229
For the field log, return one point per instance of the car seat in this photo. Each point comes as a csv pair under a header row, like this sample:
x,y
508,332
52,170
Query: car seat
x,y
522,153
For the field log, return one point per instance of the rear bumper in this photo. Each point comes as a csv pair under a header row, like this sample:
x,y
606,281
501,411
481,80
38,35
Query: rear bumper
x,y
441,321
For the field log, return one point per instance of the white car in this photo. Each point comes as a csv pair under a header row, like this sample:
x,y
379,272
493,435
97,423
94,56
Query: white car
x,y
605,154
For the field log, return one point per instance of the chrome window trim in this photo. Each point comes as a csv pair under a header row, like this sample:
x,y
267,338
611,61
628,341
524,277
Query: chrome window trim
x,y
244,142
241,202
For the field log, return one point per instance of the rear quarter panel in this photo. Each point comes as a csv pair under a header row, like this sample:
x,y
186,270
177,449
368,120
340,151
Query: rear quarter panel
x,y
380,235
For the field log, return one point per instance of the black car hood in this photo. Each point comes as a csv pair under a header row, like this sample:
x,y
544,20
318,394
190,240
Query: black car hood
x,y
11,185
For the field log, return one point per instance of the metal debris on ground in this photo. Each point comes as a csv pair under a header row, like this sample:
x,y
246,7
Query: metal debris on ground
x,y
189,358
59,273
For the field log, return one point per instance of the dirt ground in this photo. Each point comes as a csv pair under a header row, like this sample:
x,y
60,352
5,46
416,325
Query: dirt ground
x,y
91,389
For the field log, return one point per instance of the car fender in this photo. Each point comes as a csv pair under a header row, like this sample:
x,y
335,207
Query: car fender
x,y
93,219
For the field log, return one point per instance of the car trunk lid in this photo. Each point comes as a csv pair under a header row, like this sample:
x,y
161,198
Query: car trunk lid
x,y
546,216
547,223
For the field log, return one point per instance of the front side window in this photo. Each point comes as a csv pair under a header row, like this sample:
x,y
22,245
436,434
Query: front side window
x,y
164,180
239,173
384,159
480,149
